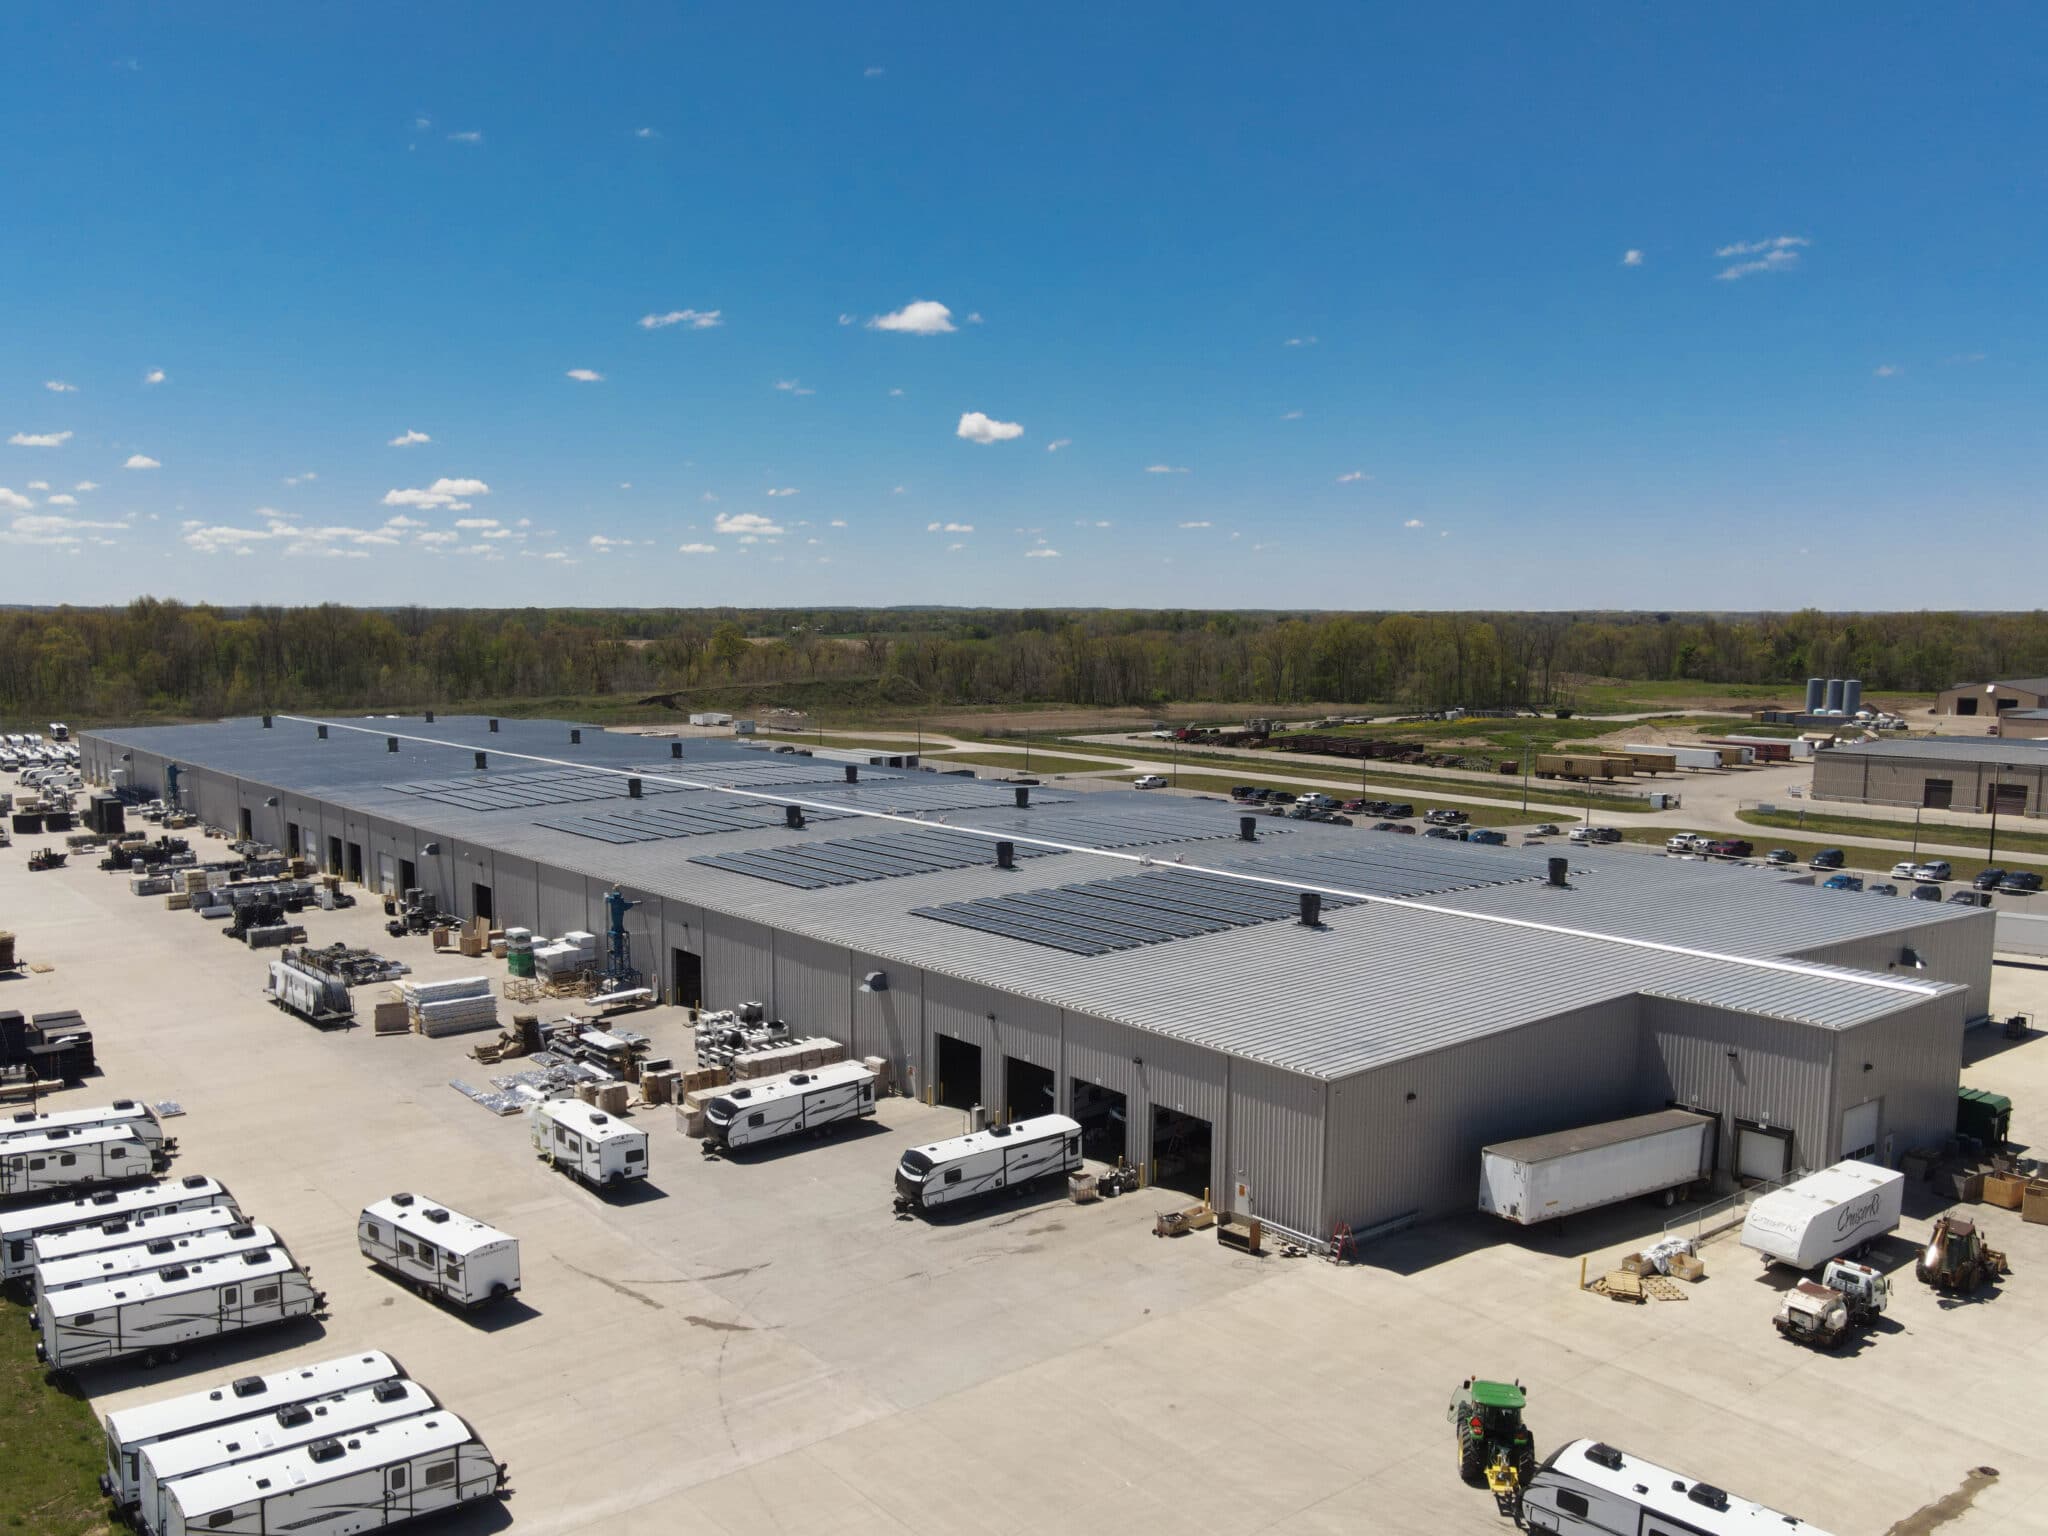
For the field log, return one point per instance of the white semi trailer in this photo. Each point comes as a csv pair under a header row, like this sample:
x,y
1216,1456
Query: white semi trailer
x,y
1841,1209
1541,1178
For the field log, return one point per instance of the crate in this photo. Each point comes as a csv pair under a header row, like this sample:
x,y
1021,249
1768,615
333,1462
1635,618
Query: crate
x,y
391,1018
1967,1188
1685,1267
2034,1202
2004,1190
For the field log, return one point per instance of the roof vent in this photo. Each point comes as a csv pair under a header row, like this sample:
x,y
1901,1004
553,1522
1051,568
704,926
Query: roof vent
x,y
999,1130
256,1256
597,1118
799,1078
161,1245
494,725
388,1391
793,816
437,1214
124,1103
1602,1454
430,717
195,1181
402,1199
632,789
250,1386
853,773
575,737
322,730
294,1414
1311,909
174,1272
1709,1495
1248,828
1006,854
244,1229
112,1227
482,760
324,1450
675,749
390,743
741,1093
1023,796
26,1114
266,722
1560,869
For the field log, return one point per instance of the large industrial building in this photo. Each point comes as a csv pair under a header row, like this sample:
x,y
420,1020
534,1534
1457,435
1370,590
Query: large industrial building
x,y
1993,699
1962,773
1141,963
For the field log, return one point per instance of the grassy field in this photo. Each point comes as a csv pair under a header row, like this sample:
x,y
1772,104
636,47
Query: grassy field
x,y
51,1449
2010,839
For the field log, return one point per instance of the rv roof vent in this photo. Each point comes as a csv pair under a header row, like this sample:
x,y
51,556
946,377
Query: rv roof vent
x,y
401,1199
195,1181
294,1414
124,1103
799,1077
262,1482
174,1272
27,1114
242,1229
249,1386
102,1199
437,1214
1709,1495
162,1245
324,1450
59,1135
598,1117
741,1093
1602,1454
388,1391
999,1130
111,1227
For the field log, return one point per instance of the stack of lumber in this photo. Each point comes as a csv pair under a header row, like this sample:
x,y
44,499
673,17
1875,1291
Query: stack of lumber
x,y
450,1007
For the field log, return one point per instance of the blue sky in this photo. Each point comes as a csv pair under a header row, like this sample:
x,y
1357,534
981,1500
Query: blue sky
x,y
1215,305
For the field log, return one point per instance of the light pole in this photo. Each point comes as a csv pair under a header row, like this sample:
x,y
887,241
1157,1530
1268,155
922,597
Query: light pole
x,y
1525,775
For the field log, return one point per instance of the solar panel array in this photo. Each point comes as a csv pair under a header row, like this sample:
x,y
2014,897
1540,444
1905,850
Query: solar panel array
x,y
771,769
1103,916
698,813
1125,829
1380,868
519,789
847,861
925,792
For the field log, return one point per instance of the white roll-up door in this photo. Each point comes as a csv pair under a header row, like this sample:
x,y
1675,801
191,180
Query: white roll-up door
x,y
1761,1154
1859,1129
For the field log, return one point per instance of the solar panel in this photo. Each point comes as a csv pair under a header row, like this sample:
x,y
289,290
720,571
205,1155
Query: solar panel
x,y
849,861
525,789
692,813
1102,916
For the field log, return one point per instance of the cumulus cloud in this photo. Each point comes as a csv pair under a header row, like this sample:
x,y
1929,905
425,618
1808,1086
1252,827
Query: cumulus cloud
x,y
977,428
585,375
785,490
794,387
1413,522
1300,341
604,544
86,485
949,527
873,72
696,549
277,529
40,439
14,500
954,549
467,136
61,500
407,438
694,319
400,520
646,133
1780,253
747,525
49,528
1041,554
838,522
1631,258
450,494
920,317
476,522
1204,523
1887,370
1290,415
1352,477
300,479
39,485
1058,443
154,376
1166,469
141,461
59,387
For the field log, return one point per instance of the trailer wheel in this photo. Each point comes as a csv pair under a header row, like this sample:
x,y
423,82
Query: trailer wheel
x,y
500,1291
1670,1197
149,1360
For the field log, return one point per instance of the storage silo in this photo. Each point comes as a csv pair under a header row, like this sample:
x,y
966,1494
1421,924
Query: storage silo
x,y
1816,692
1852,695
1834,695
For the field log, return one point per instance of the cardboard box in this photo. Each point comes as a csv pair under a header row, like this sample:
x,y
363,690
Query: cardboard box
x,y
1968,1188
390,1018
1684,1266
2034,1203
2004,1190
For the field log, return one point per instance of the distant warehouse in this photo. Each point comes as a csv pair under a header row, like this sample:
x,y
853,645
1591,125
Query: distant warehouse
x,y
1321,1024
1962,773
1993,699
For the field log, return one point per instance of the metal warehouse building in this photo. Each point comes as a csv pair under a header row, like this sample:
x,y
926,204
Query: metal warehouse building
x,y
1135,961
1964,773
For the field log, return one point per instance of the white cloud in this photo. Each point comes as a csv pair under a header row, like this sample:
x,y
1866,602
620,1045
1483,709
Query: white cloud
x,y
524,522
974,317
898,490
407,438
450,494
141,461
421,124
1290,416
300,479
1202,524
296,539
950,528
14,500
59,387
154,376
838,522
1041,554
1300,341
646,133
1780,253
747,525
467,136
48,528
695,319
954,549
873,72
895,394
1631,258
696,549
1166,469
1058,443
1413,522
794,387
39,485
977,428
501,533
1352,477
787,490
86,485
40,439
400,520
920,317
1888,370
471,523
602,544
625,485
585,375
61,500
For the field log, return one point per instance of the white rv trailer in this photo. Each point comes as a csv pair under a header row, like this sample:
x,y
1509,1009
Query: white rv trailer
x,y
1824,1215
381,1476
598,1148
137,1116
158,1253
987,1162
438,1251
62,1160
282,1428
21,1229
63,1248
155,1313
771,1107
1590,1487
132,1431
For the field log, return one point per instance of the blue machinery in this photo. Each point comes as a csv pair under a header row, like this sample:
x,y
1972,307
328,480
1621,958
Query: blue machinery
x,y
619,973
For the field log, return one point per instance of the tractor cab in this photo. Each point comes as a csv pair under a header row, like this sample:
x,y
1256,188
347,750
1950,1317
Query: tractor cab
x,y
1494,1444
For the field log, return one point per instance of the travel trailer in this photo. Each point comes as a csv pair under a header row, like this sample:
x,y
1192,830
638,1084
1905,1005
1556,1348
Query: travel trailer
x,y
379,1477
59,1249
21,1229
67,1159
439,1252
1839,1210
132,1431
1590,1487
155,1314
137,1116
158,1253
768,1108
600,1149
987,1162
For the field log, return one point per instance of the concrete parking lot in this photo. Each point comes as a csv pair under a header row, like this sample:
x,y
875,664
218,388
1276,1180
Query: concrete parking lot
x,y
762,1345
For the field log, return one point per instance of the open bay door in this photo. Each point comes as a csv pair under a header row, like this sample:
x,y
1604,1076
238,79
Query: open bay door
x,y
1762,1152
1859,1130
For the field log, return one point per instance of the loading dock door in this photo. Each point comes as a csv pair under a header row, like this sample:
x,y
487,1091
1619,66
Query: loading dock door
x,y
408,875
956,1072
687,969
291,838
1762,1151
1180,1151
355,863
248,824
1104,1117
480,902
1859,1129
333,855
2006,799
1028,1090
387,875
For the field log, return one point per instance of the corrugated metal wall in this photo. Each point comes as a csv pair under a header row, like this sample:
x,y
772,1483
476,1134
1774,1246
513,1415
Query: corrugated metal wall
x,y
961,1009
1957,950
739,961
1390,1154
563,902
1913,1061
515,890
1743,1067
682,927
814,987
889,1023
1275,1148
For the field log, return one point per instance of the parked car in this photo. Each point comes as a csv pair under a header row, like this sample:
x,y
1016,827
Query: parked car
x,y
1443,816
1580,835
1925,893
1335,818
1440,832
1544,829
1682,842
1842,883
1243,792
1730,848
1149,781
1603,834
1827,858
1781,856
1967,898
1318,799
2020,882
1987,879
1396,809
1903,870
1934,871
1356,808
1280,797
1486,835
1882,888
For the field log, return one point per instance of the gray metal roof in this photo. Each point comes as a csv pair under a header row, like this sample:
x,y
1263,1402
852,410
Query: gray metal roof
x,y
1393,976
2024,684
1987,749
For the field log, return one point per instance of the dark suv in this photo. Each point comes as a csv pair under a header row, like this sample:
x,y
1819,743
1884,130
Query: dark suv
x,y
1397,809
1828,858
2020,882
1987,879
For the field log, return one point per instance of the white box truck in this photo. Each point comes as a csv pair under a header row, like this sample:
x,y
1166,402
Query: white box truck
x,y
1540,1178
1825,1215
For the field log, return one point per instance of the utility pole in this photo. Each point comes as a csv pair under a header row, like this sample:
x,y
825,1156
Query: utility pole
x,y
1991,845
1525,775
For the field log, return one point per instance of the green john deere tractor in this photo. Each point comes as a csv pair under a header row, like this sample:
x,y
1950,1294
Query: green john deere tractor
x,y
1494,1444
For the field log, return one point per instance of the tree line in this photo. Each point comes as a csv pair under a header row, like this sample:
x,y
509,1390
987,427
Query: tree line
x,y
159,658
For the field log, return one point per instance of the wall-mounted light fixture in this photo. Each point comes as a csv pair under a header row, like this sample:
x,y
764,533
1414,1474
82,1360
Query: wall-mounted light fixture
x,y
1909,956
272,801
428,850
